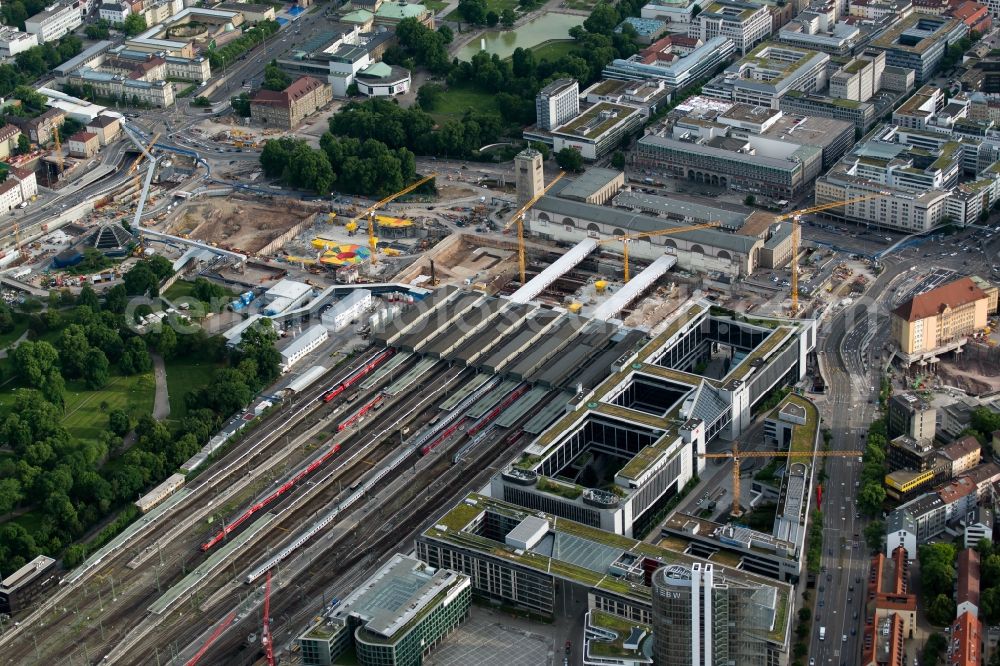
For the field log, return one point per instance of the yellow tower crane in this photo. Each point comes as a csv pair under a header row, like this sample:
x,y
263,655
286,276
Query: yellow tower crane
x,y
736,454
143,154
370,213
628,238
59,155
794,216
518,219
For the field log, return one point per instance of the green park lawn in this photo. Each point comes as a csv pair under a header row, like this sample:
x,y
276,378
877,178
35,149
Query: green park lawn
x,y
182,291
184,376
20,326
454,102
554,49
84,416
434,5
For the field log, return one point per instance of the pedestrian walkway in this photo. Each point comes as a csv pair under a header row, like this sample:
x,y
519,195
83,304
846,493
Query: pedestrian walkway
x,y
161,403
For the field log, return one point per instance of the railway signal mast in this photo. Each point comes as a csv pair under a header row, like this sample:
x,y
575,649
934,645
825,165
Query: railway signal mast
x,y
265,636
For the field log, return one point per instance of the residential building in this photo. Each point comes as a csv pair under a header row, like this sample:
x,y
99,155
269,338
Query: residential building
x,y
25,178
10,195
960,499
9,135
938,320
397,616
919,42
680,72
557,103
288,108
381,80
114,12
56,21
746,24
305,342
911,415
974,15
768,73
517,557
21,588
965,644
967,584
925,518
920,109
688,604
347,309
979,527
160,11
83,144
882,643
859,79
39,129
889,590
877,10
13,41
961,455
598,130
106,128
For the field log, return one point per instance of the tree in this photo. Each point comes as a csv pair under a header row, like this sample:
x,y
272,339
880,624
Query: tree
x,y
934,647
89,298
989,605
140,280
941,610
937,568
428,95
135,359
492,18
34,360
446,34
73,348
6,319
990,570
749,200
870,498
96,372
618,160
241,104
507,18
166,342
570,159
875,535
23,144
119,422
473,11
116,299
10,495
602,20
274,78
202,101
134,24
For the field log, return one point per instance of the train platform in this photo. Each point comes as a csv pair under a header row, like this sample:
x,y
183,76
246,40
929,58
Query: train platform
x,y
491,399
463,392
526,402
389,366
544,418
413,375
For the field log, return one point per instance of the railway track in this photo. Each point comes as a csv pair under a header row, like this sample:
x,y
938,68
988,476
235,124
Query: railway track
x,y
110,592
401,518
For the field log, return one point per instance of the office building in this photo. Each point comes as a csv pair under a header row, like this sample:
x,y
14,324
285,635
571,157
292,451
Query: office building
x,y
647,96
914,523
518,557
158,93
13,41
382,80
681,72
888,592
56,21
701,617
877,10
919,42
530,177
979,527
768,73
83,144
21,588
911,415
860,114
288,108
677,14
882,643
744,23
711,152
819,30
859,79
647,30
107,128
938,320
967,583
114,12
598,130
394,618
347,309
832,137
302,344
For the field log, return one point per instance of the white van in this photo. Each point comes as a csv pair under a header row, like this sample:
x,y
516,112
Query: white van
x,y
822,633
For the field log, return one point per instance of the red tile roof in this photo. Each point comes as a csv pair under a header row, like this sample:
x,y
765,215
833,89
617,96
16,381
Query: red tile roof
x,y
960,448
949,296
966,640
956,490
83,136
286,97
968,578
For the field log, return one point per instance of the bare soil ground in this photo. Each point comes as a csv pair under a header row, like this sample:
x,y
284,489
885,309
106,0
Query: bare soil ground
x,y
975,376
244,224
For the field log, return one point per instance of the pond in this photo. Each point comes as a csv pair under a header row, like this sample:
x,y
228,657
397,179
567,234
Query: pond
x,y
503,42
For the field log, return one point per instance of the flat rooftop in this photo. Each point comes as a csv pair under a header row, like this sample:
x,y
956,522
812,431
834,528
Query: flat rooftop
x,y
583,555
597,120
